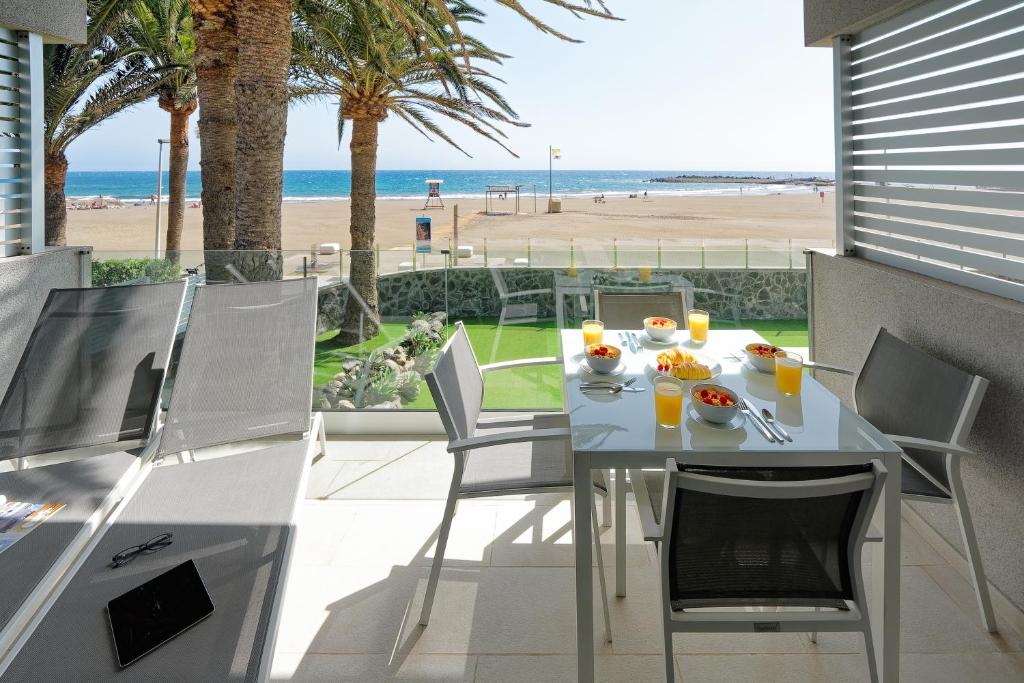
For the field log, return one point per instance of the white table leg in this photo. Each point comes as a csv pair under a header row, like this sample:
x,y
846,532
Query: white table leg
x,y
620,533
582,539
885,602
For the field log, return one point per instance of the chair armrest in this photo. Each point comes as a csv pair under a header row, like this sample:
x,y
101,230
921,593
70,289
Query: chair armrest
x,y
527,292
928,445
503,438
830,368
644,507
520,363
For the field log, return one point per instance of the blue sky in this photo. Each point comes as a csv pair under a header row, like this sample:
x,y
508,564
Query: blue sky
x,y
681,84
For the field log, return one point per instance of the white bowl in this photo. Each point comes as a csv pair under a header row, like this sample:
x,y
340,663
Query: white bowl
x,y
662,334
716,414
603,364
762,363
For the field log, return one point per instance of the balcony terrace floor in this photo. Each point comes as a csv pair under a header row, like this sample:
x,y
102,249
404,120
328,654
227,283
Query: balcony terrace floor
x,y
505,604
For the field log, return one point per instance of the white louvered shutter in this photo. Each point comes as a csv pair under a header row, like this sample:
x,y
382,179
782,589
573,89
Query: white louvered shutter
x,y
21,154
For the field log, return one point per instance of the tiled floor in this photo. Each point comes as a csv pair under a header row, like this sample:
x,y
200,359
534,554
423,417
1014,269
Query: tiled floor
x,y
505,607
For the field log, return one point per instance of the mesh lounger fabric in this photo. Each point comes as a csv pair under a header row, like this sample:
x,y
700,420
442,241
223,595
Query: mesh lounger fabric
x,y
81,485
728,550
92,369
627,311
246,365
232,516
904,391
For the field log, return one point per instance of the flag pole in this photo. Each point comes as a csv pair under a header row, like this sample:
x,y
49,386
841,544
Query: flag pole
x,y
550,152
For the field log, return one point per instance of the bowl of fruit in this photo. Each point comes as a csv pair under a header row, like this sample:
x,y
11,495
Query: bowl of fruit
x,y
603,358
715,403
762,356
660,329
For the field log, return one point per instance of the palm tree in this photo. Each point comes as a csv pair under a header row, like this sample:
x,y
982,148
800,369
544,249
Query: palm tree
x,y
216,66
366,60
161,31
84,86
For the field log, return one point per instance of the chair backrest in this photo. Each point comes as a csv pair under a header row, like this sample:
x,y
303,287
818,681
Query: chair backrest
x,y
904,391
457,386
93,369
246,366
765,536
627,311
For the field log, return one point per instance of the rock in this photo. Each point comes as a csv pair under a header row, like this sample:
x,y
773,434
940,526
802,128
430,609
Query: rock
x,y
345,405
393,365
335,385
350,364
419,326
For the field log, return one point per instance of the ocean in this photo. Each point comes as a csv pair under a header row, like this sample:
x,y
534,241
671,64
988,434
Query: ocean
x,y
319,185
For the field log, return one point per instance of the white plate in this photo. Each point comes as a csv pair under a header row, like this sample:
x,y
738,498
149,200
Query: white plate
x,y
585,366
648,339
735,423
713,365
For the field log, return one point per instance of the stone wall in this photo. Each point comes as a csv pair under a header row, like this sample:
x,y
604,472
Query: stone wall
x,y
472,293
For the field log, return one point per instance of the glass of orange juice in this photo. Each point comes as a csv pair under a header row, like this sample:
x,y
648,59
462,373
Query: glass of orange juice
x,y
789,369
645,275
699,321
593,332
668,401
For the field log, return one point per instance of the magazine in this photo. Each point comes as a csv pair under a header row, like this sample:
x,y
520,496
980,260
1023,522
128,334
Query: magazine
x,y
18,519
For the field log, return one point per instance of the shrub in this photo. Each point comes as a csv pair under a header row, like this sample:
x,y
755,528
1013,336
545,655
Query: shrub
x,y
118,271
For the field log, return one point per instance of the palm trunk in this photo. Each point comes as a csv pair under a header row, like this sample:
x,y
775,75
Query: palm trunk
x,y
56,172
362,318
216,64
261,100
177,167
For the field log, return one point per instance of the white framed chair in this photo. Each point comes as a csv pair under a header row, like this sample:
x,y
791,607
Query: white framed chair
x,y
779,539
517,455
626,311
926,407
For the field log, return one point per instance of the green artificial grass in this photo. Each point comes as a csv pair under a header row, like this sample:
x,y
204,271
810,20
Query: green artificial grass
x,y
533,388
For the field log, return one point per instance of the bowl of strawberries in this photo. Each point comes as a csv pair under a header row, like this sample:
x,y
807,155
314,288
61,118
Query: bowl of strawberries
x,y
762,356
603,358
660,329
715,403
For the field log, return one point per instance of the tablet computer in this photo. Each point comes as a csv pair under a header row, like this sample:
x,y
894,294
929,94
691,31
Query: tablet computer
x,y
148,616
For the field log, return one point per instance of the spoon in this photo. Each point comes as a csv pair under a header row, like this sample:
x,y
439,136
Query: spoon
x,y
770,419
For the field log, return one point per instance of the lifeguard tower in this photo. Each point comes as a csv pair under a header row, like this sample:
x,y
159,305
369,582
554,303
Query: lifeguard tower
x,y
433,194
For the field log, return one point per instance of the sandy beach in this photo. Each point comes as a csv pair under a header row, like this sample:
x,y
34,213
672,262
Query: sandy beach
x,y
672,219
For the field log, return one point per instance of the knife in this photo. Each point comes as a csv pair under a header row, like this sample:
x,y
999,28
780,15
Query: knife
x,y
761,427
636,342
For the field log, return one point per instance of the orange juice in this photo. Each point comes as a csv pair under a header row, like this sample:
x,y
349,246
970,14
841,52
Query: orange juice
x,y
593,332
645,275
699,322
789,370
668,402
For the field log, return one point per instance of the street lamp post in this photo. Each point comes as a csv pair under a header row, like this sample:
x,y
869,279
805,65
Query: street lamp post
x,y
159,192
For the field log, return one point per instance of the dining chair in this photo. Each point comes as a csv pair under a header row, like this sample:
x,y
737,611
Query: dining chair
x,y
620,311
926,407
503,456
740,541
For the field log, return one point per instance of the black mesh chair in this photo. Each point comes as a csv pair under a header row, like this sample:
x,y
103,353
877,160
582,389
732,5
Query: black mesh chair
x,y
786,540
926,407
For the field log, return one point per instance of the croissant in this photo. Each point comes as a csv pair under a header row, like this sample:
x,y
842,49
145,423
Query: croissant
x,y
691,370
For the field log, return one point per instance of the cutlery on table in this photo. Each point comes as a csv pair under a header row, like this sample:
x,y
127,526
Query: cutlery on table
x,y
636,342
605,384
773,424
747,410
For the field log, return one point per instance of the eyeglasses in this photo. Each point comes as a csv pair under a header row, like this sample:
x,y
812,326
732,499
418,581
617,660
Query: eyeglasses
x,y
151,546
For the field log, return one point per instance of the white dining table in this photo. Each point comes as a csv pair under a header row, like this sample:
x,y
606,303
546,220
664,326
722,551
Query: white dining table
x,y
616,432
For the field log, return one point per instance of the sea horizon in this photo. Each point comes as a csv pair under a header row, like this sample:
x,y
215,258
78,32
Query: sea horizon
x,y
325,185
